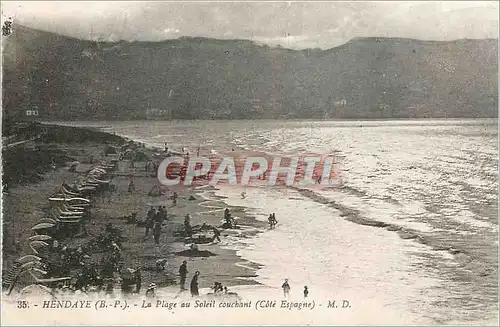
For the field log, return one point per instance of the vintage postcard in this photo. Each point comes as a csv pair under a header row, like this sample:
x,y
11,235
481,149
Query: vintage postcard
x,y
249,163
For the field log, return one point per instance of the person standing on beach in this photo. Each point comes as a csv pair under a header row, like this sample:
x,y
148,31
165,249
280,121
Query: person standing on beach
x,y
270,220
183,273
286,288
159,215
150,220
194,285
138,279
275,222
187,224
164,213
131,186
306,292
157,233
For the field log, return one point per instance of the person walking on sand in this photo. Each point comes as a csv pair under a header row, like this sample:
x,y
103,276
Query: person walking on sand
x,y
157,233
270,220
164,213
306,292
216,234
286,288
183,273
194,285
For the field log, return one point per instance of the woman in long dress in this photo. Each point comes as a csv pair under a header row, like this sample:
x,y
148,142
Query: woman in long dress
x,y
194,284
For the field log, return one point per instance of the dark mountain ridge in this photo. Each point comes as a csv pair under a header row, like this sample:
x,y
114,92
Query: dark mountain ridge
x,y
202,78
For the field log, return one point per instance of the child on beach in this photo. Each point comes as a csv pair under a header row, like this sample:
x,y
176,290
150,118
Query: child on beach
x,y
218,288
150,292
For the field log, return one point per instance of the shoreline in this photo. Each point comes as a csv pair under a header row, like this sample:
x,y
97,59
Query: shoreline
x,y
227,266
27,203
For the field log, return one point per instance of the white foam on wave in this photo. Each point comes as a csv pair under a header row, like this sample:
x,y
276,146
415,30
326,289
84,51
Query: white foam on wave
x,y
380,210
468,218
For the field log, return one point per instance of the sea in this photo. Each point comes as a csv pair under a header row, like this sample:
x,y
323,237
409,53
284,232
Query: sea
x,y
412,234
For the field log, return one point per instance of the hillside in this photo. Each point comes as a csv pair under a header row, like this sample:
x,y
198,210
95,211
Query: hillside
x,y
199,78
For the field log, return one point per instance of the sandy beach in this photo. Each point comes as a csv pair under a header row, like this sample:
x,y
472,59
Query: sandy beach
x,y
342,252
24,205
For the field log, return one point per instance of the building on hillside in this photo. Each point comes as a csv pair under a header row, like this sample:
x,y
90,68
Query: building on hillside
x,y
32,113
340,106
341,103
154,113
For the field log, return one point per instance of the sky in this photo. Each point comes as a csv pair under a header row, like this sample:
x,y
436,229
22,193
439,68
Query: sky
x,y
290,24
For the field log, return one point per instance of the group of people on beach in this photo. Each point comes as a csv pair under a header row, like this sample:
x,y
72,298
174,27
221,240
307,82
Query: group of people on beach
x,y
188,229
131,279
194,289
183,271
194,281
272,220
286,289
154,221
